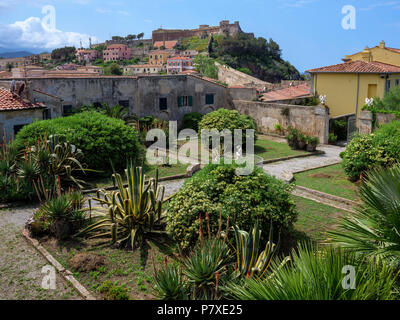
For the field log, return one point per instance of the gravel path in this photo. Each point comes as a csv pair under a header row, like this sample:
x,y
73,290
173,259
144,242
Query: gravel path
x,y
284,168
21,264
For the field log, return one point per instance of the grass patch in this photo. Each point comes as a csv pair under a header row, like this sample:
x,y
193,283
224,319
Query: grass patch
x,y
331,180
126,274
315,219
268,149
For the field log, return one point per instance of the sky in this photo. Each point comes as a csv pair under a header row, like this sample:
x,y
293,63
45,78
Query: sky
x,y
310,32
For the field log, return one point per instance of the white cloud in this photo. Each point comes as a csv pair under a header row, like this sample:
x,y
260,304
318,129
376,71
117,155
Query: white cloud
x,y
296,3
108,11
378,4
32,33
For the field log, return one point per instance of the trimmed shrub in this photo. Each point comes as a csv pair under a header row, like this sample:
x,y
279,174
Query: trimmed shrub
x,y
99,137
218,190
191,121
228,119
381,148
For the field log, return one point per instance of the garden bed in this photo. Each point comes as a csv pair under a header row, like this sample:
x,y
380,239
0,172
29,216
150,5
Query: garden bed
x,y
331,180
122,267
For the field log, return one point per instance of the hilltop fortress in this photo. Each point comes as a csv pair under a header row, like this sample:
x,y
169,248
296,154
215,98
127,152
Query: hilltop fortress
x,y
204,30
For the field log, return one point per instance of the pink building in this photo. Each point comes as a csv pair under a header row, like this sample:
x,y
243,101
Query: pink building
x,y
86,55
179,64
116,52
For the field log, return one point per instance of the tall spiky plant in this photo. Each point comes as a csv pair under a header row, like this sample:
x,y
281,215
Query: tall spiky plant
x,y
375,229
131,212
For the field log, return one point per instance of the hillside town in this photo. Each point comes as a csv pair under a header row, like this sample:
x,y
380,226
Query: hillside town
x,y
199,164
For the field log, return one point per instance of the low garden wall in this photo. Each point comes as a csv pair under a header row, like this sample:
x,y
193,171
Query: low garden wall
x,y
313,121
368,123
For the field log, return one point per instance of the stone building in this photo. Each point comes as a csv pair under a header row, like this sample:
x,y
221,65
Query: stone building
x,y
161,35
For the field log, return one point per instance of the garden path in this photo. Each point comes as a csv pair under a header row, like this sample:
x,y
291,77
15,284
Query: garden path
x,y
283,169
21,265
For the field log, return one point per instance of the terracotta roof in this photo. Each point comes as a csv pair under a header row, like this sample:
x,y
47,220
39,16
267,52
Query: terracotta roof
x,y
294,92
143,66
237,86
168,44
393,49
359,67
179,58
10,101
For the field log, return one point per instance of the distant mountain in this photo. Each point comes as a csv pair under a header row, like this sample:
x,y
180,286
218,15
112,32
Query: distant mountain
x,y
16,54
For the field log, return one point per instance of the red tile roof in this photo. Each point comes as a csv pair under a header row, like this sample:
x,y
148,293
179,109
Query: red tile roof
x,y
180,58
393,49
295,92
168,44
10,101
359,67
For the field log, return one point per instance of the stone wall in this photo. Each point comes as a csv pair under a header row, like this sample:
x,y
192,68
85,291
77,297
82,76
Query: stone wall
x,y
366,121
248,94
233,77
313,121
9,119
142,93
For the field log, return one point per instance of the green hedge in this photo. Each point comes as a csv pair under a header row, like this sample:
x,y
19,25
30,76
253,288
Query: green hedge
x,y
191,121
100,138
218,190
228,119
381,148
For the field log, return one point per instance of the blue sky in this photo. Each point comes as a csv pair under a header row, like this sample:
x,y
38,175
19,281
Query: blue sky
x,y
309,32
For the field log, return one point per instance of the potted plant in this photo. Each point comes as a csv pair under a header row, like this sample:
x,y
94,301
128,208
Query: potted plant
x,y
312,143
301,144
292,138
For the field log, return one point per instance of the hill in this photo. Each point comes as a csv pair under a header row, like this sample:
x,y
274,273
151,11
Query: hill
x,y
256,56
16,54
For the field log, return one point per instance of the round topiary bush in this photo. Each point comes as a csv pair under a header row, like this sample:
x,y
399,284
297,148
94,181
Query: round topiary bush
x,y
381,148
191,121
100,138
218,190
228,119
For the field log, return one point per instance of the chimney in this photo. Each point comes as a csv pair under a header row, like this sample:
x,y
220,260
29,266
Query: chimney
x,y
366,55
382,45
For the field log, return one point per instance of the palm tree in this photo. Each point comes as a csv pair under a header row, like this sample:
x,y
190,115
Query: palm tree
x,y
375,229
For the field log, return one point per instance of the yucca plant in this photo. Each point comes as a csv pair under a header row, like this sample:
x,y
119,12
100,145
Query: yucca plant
x,y
375,229
168,283
317,274
131,212
249,261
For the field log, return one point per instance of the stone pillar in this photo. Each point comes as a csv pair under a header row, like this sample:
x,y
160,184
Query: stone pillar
x,y
322,123
365,122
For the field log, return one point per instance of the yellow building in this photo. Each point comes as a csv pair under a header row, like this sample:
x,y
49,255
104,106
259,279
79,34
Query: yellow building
x,y
367,74
159,57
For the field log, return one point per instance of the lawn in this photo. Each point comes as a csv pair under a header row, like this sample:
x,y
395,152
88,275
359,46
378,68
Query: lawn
x,y
315,219
268,149
331,180
163,171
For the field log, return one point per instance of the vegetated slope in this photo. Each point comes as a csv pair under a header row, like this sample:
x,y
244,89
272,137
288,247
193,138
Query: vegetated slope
x,y
260,56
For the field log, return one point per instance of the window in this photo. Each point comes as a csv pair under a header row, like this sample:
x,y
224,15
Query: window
x,y
67,110
397,82
210,98
124,103
163,104
387,85
46,114
185,101
17,128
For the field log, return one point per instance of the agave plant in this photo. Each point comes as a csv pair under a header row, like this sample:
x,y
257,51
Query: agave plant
x,y
57,157
131,212
318,275
375,229
168,283
251,263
